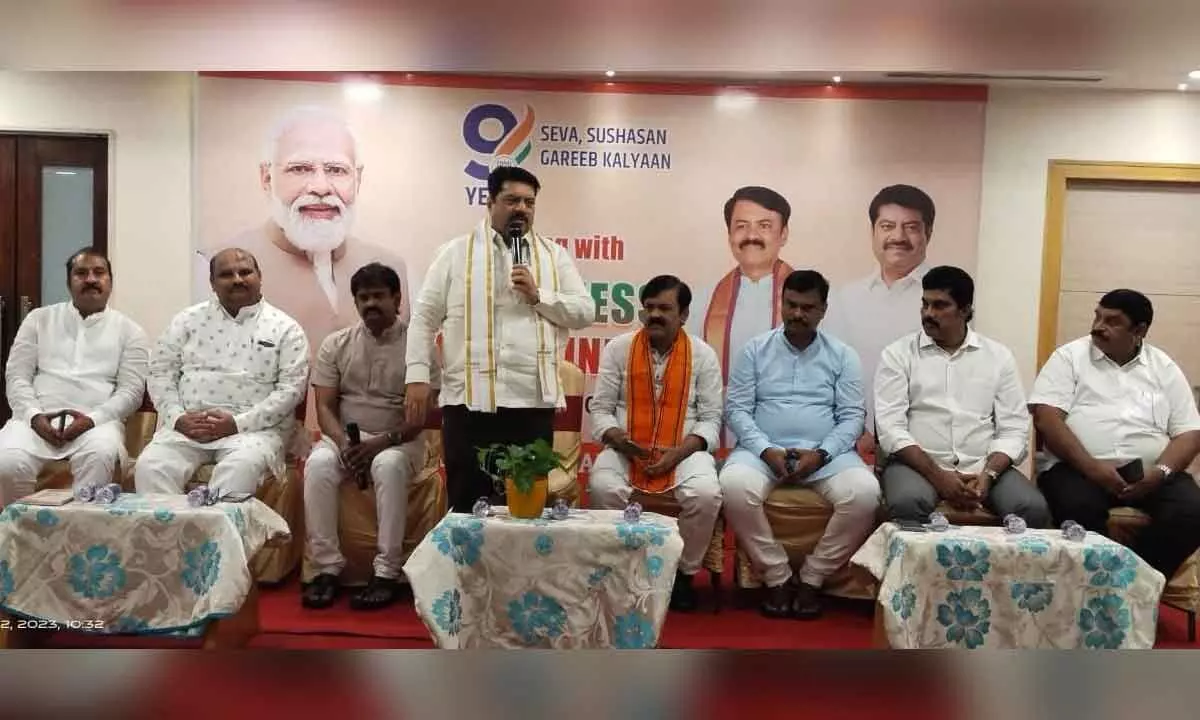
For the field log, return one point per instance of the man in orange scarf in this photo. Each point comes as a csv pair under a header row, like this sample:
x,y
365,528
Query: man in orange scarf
x,y
745,301
657,409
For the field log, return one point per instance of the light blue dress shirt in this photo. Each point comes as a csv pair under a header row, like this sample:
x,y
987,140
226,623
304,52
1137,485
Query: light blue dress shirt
x,y
782,397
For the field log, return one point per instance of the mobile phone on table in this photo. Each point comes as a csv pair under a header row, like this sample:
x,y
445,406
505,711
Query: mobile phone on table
x,y
237,497
911,526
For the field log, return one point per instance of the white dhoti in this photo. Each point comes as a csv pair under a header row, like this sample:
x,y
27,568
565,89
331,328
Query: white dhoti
x,y
391,471
93,456
697,490
242,460
854,494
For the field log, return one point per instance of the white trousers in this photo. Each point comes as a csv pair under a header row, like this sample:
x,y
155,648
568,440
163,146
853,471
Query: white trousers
x,y
391,472
94,458
698,493
854,494
166,465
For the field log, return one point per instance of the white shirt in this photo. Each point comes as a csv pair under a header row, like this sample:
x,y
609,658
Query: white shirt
x,y
610,397
254,366
868,316
61,360
753,312
441,305
1118,413
958,407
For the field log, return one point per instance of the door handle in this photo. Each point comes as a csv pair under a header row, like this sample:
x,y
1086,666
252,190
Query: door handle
x,y
3,319
26,306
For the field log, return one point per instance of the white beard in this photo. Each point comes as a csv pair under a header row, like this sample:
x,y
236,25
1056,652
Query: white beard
x,y
313,236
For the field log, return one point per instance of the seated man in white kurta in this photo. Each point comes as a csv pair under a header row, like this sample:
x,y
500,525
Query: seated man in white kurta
x,y
226,377
657,409
75,372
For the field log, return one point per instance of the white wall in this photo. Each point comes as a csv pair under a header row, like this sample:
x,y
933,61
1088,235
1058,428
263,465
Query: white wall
x,y
149,119
1025,130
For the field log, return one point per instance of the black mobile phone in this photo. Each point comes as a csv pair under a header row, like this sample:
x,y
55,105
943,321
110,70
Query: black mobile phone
x,y
1131,472
237,497
911,526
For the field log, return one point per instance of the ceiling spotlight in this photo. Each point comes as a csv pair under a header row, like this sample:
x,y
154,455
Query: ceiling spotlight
x,y
1181,87
1195,74
610,73
837,78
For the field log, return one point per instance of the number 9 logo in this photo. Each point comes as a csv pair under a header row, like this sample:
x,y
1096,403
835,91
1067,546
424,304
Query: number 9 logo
x,y
473,123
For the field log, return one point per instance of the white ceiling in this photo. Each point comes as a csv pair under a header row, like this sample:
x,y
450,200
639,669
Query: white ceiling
x,y
1143,44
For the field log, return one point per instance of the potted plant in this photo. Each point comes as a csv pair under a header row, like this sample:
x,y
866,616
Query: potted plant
x,y
524,469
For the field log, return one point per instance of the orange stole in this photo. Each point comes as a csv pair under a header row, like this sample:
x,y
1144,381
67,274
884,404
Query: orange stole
x,y
651,424
719,319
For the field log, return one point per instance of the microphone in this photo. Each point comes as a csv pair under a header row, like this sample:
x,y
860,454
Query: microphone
x,y
355,437
515,233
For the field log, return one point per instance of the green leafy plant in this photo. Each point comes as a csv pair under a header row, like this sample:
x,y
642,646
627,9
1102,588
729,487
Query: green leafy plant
x,y
522,463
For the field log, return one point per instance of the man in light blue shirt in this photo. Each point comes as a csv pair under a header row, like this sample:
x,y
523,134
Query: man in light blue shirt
x,y
795,402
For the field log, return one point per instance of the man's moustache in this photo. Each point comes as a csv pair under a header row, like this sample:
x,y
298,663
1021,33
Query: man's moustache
x,y
746,243
901,245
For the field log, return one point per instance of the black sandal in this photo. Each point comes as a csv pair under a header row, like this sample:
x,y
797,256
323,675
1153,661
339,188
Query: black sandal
x,y
778,603
321,592
378,594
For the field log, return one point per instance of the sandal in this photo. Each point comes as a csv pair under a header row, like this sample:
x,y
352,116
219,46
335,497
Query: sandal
x,y
321,592
378,594
778,603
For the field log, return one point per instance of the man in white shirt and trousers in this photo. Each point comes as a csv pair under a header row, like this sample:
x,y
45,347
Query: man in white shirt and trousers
x,y
1120,427
874,311
951,414
657,409
226,377
504,299
76,370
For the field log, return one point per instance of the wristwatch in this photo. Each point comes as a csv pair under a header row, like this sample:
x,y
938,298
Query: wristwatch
x,y
1165,470
824,456
991,474
393,438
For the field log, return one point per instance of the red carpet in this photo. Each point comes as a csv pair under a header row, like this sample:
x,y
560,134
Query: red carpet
x,y
845,625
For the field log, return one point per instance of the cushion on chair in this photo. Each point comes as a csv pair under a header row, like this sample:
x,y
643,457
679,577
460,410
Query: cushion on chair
x,y
358,525
568,436
798,516
1183,590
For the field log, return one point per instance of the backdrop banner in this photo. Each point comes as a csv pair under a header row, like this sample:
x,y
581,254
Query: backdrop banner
x,y
318,178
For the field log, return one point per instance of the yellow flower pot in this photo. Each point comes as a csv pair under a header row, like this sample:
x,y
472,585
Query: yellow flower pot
x,y
527,505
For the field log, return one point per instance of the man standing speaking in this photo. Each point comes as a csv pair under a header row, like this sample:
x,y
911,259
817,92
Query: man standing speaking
x,y
504,299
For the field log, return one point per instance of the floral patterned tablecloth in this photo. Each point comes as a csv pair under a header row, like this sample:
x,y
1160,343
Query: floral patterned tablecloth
x,y
144,564
982,587
591,580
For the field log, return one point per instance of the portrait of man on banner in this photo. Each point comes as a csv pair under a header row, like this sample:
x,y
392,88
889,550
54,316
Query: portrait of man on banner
x,y
745,301
872,312
310,173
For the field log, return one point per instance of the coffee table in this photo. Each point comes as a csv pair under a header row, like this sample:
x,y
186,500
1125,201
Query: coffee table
x,y
591,580
144,565
981,587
